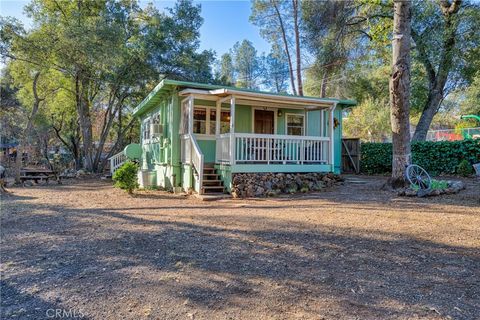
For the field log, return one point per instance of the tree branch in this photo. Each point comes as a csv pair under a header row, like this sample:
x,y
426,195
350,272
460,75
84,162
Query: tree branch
x,y
450,8
422,53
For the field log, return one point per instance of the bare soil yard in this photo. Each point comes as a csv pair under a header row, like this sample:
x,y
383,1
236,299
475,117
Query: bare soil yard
x,y
352,252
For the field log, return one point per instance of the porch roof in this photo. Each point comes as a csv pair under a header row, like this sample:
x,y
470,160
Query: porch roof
x,y
167,86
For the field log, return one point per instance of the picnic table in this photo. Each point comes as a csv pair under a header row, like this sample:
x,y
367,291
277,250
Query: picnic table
x,y
36,174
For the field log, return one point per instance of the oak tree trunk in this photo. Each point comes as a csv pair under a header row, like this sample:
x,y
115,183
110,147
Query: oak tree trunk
x,y
28,130
437,78
84,121
431,108
400,92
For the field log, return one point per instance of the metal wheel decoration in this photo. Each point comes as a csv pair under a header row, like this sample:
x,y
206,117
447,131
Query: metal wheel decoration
x,y
418,177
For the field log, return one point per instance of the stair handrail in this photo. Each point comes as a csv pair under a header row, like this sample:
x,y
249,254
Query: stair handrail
x,y
116,161
197,159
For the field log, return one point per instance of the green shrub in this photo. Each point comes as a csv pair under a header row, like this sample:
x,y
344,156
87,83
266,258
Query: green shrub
x,y
126,177
442,157
376,158
436,185
439,185
464,168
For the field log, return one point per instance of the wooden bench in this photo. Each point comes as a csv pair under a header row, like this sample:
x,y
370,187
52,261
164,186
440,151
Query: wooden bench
x,y
37,174
36,178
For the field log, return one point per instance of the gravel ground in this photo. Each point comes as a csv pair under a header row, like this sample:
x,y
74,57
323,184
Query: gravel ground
x,y
86,250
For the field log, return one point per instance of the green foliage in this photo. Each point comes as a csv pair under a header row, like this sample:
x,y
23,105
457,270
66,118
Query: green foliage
x,y
376,158
436,185
464,168
439,185
369,121
98,59
226,70
126,177
324,28
247,64
276,70
360,31
471,102
436,157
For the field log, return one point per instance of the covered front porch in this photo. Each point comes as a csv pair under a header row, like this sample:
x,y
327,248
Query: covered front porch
x,y
241,131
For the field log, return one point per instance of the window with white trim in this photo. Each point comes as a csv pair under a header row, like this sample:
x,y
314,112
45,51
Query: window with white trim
x,y
146,130
295,124
200,120
205,119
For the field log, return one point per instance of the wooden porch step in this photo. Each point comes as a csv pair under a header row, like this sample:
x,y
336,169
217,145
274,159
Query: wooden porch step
x,y
211,175
209,189
213,187
213,181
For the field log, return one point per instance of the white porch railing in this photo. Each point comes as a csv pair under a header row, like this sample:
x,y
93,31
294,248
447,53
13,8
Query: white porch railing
x,y
116,161
222,152
267,149
191,154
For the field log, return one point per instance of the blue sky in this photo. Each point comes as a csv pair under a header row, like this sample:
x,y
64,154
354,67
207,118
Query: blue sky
x,y
225,22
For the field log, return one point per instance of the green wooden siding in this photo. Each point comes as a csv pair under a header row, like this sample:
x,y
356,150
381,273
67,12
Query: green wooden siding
x,y
208,149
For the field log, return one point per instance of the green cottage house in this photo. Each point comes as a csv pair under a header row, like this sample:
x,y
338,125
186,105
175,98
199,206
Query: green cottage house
x,y
198,136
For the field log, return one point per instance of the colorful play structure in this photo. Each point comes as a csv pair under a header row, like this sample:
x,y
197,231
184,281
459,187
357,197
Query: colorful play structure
x,y
471,134
456,134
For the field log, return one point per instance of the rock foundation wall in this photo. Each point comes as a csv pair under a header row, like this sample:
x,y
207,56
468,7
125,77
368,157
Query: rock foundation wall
x,y
246,185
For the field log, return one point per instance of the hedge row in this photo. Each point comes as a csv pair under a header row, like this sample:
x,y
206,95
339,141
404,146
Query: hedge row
x,y
437,158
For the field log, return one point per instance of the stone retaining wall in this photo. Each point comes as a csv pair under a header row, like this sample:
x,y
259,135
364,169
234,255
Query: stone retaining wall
x,y
246,185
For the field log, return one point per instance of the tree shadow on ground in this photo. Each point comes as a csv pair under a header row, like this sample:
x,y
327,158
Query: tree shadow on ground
x,y
215,263
21,305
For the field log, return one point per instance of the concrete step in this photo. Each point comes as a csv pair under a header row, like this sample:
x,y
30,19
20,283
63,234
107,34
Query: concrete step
x,y
213,196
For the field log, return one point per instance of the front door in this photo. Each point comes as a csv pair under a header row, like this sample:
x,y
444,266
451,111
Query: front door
x,y
264,122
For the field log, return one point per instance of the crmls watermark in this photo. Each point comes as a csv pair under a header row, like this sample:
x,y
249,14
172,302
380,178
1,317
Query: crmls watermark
x,y
64,314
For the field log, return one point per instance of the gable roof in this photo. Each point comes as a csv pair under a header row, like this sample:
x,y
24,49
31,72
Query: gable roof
x,y
166,86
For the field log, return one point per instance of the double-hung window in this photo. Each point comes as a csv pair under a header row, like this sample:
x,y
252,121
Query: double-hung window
x,y
295,124
146,130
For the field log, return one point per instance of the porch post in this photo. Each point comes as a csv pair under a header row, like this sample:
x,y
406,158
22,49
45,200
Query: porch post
x,y
232,130
190,115
305,118
331,125
217,117
322,123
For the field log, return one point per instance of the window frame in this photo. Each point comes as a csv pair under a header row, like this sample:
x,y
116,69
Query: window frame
x,y
287,126
145,130
146,126
208,121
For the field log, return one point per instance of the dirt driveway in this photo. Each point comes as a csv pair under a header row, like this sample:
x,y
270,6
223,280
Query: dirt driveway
x,y
87,251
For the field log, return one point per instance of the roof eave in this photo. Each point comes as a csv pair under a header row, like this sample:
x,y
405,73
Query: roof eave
x,y
223,91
